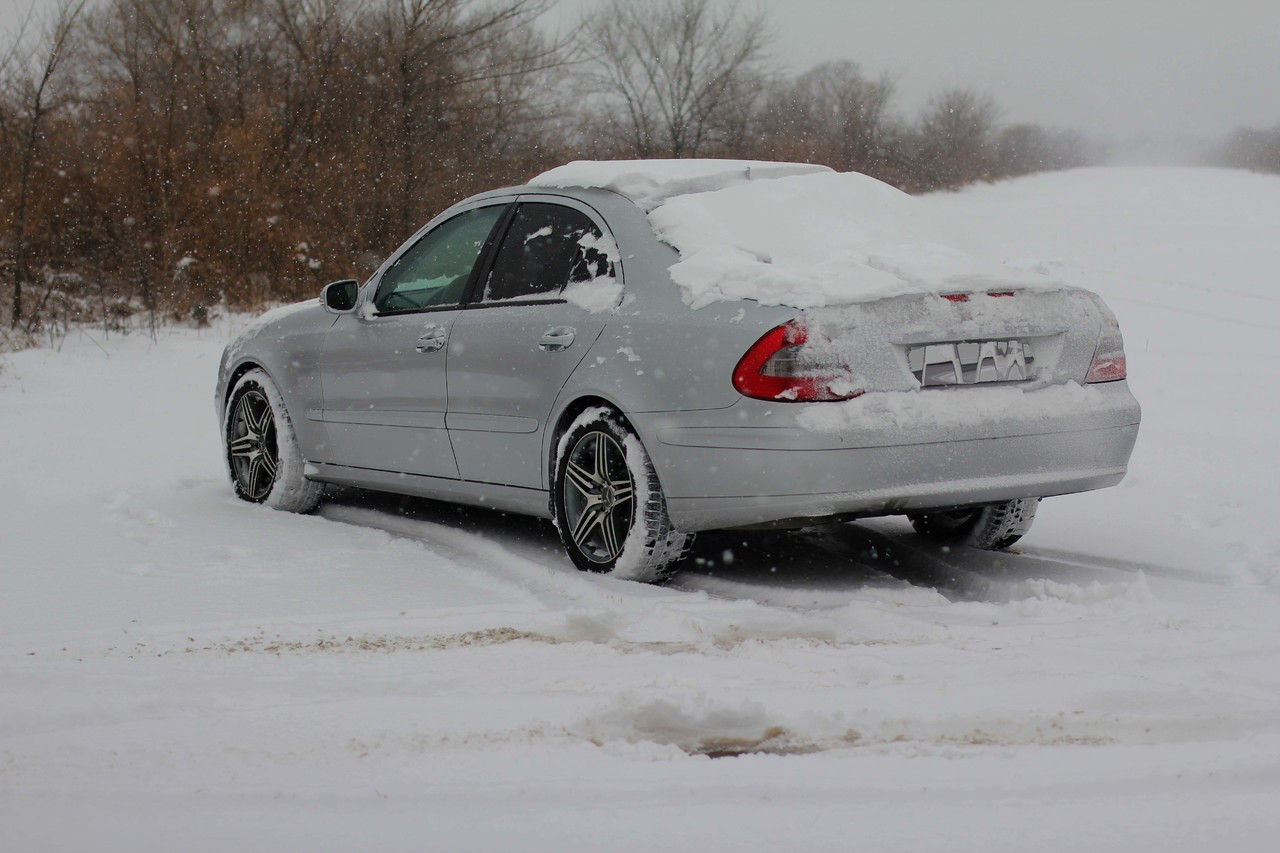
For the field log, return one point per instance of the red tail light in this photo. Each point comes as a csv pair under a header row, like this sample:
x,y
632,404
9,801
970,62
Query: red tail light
x,y
1108,368
1109,363
780,367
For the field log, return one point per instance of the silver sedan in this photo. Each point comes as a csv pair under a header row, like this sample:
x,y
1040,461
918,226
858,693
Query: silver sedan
x,y
528,351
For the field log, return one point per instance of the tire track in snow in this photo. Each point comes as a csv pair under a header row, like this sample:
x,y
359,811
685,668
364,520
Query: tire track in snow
x,y
554,589
598,608
1127,568
823,569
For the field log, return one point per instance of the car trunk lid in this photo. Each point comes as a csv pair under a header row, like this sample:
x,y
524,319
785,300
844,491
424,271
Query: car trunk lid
x,y
967,338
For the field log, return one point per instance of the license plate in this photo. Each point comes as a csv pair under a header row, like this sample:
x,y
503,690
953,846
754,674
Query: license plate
x,y
971,362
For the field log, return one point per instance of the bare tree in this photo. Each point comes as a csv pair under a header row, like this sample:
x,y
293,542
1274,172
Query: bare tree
x,y
36,98
830,114
674,78
1252,148
454,77
7,53
957,137
11,50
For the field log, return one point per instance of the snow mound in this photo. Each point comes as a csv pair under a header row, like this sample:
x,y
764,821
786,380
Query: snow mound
x,y
706,728
651,182
793,233
822,239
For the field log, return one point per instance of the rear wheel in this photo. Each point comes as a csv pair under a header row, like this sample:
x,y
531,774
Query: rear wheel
x,y
608,503
992,527
261,451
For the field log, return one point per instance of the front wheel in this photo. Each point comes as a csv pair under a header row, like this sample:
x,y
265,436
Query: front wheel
x,y
262,452
992,528
608,503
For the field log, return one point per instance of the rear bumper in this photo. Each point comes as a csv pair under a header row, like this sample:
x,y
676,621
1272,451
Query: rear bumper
x,y
718,473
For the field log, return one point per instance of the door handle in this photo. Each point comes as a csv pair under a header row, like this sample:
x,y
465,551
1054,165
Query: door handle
x,y
557,339
432,341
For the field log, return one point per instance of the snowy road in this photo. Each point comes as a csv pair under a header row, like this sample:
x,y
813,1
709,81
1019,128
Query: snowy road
x,y
179,670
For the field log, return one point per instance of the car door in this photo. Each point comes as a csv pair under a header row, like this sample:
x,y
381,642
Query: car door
x,y
523,333
383,373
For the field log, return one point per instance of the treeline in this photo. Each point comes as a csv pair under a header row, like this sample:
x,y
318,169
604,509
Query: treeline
x,y
170,156
1255,149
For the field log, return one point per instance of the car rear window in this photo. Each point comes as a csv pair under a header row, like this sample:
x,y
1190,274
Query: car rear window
x,y
547,247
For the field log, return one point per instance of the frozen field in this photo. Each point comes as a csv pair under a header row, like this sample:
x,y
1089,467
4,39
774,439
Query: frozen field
x,y
183,671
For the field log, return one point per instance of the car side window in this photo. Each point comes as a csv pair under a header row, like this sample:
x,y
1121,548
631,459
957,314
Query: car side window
x,y
435,270
547,247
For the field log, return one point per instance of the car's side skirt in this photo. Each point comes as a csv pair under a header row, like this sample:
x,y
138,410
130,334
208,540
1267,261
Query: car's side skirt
x,y
504,498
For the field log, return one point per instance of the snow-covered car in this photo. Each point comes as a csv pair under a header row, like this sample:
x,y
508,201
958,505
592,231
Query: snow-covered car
x,y
643,350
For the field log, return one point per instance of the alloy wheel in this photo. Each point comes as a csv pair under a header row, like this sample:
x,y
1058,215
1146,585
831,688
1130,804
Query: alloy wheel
x,y
599,497
251,445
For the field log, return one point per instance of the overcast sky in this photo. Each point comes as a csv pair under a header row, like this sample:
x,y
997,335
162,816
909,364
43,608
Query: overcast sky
x,y
1115,67
1191,68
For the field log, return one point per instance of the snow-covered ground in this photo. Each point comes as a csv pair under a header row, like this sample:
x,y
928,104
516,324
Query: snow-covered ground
x,y
182,671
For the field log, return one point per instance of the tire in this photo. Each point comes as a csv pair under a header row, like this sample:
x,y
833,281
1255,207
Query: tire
x,y
608,504
991,528
262,454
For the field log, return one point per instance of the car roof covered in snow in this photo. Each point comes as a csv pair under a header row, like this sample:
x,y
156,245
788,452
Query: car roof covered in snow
x,y
795,234
651,182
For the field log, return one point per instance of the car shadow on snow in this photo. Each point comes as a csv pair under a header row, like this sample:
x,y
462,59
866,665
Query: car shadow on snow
x,y
531,538
884,553
832,562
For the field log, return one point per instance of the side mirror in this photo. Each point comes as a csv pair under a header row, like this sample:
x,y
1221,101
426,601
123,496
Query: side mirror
x,y
339,297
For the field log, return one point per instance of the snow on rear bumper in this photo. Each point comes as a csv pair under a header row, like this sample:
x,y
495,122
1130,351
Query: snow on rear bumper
x,y
879,458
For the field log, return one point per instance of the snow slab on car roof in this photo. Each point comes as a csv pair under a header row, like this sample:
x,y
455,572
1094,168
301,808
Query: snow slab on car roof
x,y
651,182
796,234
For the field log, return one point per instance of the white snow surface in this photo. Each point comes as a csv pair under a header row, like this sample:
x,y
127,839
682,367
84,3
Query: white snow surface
x,y
181,670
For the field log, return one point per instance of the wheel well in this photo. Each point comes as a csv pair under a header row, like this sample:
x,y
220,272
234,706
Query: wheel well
x,y
235,377
567,417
